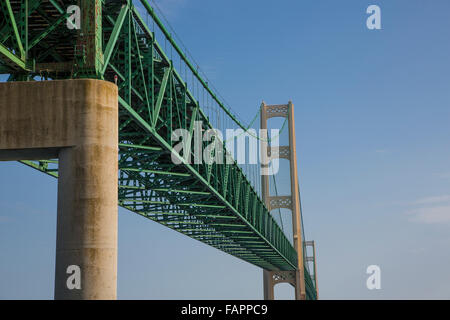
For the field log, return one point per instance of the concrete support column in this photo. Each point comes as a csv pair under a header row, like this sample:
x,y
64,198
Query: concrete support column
x,y
268,285
77,122
87,223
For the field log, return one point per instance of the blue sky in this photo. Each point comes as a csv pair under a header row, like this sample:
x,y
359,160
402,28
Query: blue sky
x,y
372,116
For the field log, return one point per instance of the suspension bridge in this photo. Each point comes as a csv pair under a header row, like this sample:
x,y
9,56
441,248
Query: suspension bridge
x,y
123,61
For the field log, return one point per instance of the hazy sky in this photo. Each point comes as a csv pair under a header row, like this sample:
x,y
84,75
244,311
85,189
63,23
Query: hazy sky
x,y
373,140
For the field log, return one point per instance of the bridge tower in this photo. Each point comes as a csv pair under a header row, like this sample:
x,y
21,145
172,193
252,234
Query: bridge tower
x,y
297,277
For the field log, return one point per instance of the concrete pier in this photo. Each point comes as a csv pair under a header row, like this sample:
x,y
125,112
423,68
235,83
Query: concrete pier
x,y
77,122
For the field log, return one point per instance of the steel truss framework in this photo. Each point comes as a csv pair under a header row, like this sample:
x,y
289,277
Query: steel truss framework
x,y
213,203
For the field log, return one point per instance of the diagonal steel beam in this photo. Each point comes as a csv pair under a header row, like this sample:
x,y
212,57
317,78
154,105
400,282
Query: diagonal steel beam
x,y
161,94
7,10
114,36
47,31
11,59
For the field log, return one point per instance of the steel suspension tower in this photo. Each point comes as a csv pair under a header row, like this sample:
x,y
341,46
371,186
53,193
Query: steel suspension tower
x,y
295,277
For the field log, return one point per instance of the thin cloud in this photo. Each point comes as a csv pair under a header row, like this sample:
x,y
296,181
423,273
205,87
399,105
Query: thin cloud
x,y
433,200
432,210
431,215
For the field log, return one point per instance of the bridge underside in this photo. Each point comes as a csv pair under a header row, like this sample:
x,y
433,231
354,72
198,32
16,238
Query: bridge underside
x,y
213,203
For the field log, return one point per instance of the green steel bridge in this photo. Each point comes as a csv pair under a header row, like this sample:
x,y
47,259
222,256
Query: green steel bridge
x,y
160,90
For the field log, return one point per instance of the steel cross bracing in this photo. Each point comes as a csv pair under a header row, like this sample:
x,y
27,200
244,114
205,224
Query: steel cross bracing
x,y
213,203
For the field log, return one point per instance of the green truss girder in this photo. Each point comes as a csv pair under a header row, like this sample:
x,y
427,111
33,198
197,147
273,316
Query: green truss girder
x,y
10,59
10,21
213,203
